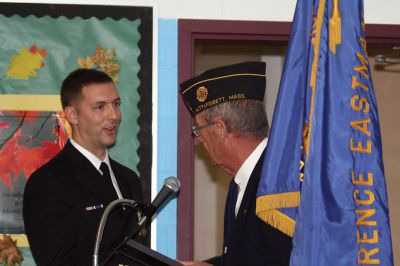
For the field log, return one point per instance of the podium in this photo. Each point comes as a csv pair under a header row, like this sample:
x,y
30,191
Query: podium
x,y
144,256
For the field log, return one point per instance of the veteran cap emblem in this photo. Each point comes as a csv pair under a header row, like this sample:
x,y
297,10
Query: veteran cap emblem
x,y
240,81
202,93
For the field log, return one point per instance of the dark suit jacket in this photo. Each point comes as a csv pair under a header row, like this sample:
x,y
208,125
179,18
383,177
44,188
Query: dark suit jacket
x,y
60,225
255,243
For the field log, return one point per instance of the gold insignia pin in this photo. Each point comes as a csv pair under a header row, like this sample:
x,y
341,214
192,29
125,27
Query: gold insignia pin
x,y
202,93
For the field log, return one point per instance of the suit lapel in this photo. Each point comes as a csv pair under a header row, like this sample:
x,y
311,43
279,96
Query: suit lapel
x,y
121,180
246,209
87,175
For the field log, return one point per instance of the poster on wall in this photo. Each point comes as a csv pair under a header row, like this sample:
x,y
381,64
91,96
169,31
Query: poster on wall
x,y
41,45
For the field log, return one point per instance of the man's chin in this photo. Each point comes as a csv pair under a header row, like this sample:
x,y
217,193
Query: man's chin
x,y
110,144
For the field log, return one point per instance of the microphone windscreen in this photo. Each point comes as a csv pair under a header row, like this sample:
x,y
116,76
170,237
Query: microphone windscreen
x,y
173,183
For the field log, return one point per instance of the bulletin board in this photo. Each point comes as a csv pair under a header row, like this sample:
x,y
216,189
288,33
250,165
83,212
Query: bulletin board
x,y
41,45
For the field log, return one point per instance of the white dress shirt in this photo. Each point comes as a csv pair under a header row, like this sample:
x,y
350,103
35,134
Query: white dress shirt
x,y
243,175
97,162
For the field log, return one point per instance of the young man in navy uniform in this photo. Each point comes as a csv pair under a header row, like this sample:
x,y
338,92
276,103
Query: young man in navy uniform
x,y
65,198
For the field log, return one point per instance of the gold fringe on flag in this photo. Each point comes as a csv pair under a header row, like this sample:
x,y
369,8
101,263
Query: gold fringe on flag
x,y
335,27
278,220
266,210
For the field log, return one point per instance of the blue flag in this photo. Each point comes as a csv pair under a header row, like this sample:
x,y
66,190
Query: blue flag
x,y
323,181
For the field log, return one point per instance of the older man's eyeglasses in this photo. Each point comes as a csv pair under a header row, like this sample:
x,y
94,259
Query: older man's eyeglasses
x,y
196,129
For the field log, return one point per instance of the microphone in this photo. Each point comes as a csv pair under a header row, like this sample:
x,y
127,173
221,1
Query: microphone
x,y
171,186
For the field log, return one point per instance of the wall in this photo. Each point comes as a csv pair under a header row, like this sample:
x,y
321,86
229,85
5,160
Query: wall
x,y
167,132
376,11
386,84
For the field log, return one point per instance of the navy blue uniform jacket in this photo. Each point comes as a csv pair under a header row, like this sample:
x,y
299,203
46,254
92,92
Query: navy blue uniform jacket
x,y
59,217
254,242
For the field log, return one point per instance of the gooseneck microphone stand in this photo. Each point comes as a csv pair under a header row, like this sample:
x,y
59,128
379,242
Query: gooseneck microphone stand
x,y
171,186
124,202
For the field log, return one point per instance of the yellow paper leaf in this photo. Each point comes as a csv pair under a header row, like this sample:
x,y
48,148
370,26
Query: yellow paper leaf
x,y
24,65
102,60
85,63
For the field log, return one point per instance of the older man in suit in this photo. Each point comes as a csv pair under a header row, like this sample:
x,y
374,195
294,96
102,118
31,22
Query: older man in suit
x,y
231,124
65,198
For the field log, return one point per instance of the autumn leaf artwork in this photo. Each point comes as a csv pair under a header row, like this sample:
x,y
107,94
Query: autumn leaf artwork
x,y
25,64
102,60
10,255
27,141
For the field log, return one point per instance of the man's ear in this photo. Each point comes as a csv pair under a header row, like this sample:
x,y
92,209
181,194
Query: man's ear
x,y
71,114
222,129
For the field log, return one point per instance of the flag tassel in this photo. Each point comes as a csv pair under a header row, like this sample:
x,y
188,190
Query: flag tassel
x,y
335,31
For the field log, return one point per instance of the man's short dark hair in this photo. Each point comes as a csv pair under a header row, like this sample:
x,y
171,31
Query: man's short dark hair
x,y
72,85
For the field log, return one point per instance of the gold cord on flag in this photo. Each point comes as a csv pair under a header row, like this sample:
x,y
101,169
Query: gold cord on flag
x,y
306,139
317,25
335,30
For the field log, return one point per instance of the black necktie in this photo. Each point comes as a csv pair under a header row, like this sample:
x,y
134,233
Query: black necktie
x,y
106,173
230,217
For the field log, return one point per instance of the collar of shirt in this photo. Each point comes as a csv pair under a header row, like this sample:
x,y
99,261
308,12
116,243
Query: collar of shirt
x,y
243,175
97,162
90,156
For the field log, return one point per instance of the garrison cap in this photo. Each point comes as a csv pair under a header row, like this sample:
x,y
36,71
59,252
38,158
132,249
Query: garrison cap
x,y
228,83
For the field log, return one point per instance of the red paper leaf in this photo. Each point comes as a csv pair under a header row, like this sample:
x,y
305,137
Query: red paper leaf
x,y
16,158
8,163
31,159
